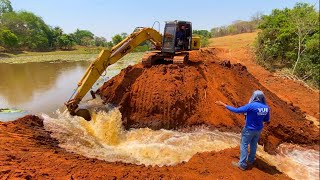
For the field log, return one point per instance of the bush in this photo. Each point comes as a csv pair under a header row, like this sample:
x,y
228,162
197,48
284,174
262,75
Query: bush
x,y
204,41
142,48
204,36
65,42
8,39
290,39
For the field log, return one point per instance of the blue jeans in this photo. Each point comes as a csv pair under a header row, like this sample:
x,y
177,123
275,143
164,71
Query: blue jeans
x,y
248,137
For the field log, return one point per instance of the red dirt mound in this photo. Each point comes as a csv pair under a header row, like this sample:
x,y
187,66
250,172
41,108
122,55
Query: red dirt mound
x,y
28,152
160,97
171,97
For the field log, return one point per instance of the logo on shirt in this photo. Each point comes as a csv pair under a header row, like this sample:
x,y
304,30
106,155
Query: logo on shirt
x,y
262,111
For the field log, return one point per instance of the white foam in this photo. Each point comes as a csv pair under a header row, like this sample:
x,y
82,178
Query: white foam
x,y
104,138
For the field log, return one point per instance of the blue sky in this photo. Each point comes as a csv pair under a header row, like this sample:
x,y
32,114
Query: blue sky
x,y
109,17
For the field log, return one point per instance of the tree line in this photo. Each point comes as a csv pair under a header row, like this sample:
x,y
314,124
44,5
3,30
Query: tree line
x,y
23,30
236,27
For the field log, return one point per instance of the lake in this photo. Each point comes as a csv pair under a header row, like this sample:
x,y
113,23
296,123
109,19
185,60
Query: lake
x,y
43,87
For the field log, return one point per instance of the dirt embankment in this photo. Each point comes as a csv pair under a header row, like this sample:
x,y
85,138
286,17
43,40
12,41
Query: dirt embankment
x,y
162,97
28,152
171,97
239,49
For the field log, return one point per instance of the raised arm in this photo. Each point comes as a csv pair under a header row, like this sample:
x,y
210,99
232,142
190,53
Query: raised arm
x,y
242,109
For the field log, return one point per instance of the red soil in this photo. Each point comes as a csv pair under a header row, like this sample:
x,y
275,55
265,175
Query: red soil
x,y
171,97
28,152
179,97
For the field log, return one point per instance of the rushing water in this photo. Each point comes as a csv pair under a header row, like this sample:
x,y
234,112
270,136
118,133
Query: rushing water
x,y
104,138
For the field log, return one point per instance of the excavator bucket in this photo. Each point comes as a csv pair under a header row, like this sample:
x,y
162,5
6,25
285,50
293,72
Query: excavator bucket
x,y
85,113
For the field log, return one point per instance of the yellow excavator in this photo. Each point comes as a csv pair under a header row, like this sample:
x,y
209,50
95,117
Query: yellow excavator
x,y
172,47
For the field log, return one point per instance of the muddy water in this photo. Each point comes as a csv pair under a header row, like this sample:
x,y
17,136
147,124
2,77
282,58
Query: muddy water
x,y
38,87
104,138
44,86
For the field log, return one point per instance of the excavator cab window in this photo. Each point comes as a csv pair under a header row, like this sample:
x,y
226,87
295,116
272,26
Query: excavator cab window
x,y
177,36
169,38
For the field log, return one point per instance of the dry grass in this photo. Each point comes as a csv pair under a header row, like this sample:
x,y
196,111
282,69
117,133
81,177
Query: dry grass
x,y
234,41
60,56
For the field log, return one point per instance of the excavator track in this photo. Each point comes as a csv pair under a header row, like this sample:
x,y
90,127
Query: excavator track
x,y
150,59
181,59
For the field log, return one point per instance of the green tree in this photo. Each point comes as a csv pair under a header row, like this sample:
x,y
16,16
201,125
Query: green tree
x,y
8,39
56,33
65,41
304,20
204,33
117,39
109,44
204,36
5,6
87,41
33,33
124,35
100,41
82,37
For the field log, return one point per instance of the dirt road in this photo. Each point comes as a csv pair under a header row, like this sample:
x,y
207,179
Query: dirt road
x,y
238,49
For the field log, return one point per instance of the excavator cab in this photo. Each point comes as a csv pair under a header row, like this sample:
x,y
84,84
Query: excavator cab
x,y
177,36
177,40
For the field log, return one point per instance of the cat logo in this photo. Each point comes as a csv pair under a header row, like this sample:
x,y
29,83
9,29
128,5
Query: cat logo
x,y
262,111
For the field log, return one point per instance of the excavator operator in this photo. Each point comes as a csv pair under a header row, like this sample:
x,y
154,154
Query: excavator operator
x,y
181,37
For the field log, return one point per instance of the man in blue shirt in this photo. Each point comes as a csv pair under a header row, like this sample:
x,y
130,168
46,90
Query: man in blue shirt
x,y
257,112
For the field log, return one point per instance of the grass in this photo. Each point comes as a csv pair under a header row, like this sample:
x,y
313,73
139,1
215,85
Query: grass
x,y
234,41
47,58
80,54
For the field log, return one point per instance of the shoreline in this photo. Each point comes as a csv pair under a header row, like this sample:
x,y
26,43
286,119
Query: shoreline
x,y
59,57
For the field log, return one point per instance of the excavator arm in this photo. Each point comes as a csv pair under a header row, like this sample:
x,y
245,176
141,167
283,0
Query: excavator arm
x,y
107,58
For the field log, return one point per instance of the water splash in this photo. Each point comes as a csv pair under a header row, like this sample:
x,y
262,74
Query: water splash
x,y
104,138
295,161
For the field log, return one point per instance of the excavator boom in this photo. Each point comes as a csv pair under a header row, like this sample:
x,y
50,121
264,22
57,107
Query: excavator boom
x,y
107,58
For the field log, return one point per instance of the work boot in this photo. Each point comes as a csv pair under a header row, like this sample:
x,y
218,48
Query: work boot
x,y
249,165
238,166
